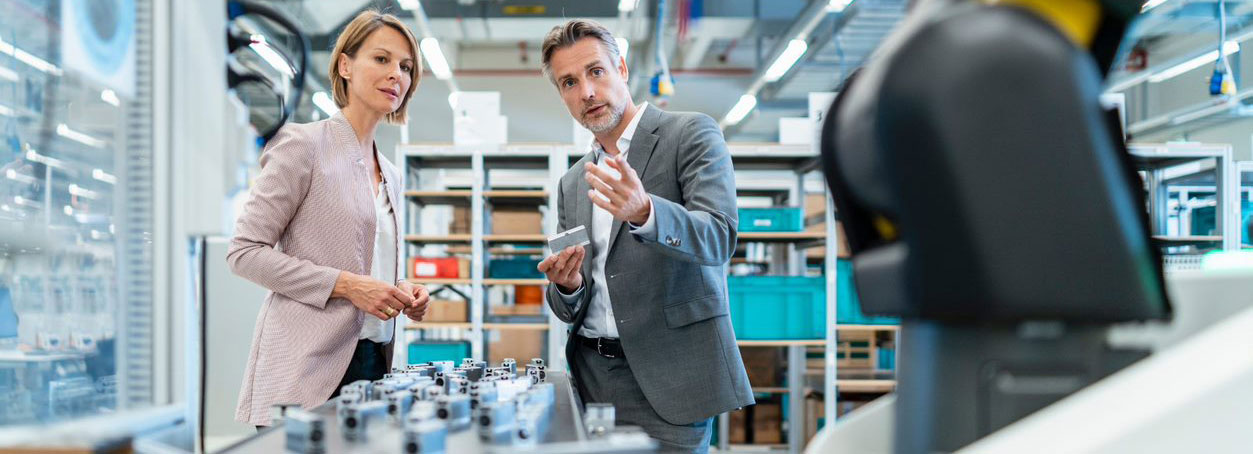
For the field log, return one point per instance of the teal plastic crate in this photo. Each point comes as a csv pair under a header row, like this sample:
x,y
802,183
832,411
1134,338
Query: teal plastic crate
x,y
514,268
848,306
777,219
794,307
777,307
425,351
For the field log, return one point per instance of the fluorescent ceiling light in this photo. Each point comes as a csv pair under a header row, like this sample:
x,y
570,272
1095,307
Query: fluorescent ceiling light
x,y
19,200
64,130
452,99
8,74
12,174
103,176
435,58
410,5
627,6
793,52
69,210
1230,47
7,111
28,58
1148,5
838,5
324,102
110,97
271,56
79,191
741,109
624,46
33,156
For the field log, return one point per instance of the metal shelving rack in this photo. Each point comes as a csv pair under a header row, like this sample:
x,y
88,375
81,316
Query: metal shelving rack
x,y
480,160
787,167
1190,164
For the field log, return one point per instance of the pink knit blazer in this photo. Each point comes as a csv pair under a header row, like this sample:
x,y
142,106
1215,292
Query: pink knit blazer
x,y
310,215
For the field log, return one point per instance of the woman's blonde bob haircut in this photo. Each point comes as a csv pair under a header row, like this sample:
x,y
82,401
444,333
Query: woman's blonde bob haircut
x,y
350,41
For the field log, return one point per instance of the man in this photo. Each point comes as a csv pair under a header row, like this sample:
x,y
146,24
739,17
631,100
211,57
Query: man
x,y
647,300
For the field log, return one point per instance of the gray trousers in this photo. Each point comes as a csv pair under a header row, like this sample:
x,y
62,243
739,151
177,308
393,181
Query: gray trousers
x,y
609,380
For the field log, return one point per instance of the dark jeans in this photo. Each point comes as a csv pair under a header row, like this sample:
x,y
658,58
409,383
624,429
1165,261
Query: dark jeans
x,y
368,363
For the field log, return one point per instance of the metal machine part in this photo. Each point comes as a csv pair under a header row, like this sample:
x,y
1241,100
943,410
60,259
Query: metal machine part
x,y
398,405
455,410
511,364
428,436
355,419
496,422
305,432
599,420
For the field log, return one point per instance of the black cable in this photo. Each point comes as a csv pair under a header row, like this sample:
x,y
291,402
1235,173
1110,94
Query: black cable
x,y
236,9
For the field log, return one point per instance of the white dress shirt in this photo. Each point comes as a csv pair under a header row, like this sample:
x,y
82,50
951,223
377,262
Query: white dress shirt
x,y
384,264
599,321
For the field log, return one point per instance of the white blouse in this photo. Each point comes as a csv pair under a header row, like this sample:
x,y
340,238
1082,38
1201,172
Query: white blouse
x,y
383,266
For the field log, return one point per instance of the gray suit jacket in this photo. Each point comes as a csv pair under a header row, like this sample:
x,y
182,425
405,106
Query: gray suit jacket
x,y
670,295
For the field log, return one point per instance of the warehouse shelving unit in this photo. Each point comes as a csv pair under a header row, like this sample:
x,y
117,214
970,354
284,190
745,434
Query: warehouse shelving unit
x,y
1170,170
784,167
481,162
780,172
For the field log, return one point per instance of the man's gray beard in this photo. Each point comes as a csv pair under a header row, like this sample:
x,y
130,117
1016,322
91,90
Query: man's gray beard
x,y
615,116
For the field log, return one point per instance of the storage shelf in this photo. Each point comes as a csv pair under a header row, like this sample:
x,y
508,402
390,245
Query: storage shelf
x,y
770,389
462,196
781,343
781,237
515,281
1188,239
867,327
517,326
460,249
439,281
865,386
511,238
439,239
438,325
467,325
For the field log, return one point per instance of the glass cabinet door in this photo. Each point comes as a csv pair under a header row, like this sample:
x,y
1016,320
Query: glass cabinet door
x,y
69,100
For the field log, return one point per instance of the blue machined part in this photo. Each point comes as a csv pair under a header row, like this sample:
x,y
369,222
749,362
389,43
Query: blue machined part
x,y
496,422
305,432
356,419
427,436
398,405
454,410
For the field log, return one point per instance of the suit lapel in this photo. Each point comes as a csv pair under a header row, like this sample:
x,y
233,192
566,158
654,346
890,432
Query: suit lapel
x,y
638,155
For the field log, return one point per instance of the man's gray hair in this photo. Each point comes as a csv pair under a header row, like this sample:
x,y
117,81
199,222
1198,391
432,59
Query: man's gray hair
x,y
563,36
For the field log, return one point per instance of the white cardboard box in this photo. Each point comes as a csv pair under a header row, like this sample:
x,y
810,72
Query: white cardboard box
x,y
475,104
796,130
478,130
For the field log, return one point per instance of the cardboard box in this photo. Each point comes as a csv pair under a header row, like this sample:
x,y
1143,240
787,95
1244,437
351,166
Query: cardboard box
x,y
814,417
767,423
516,309
446,311
796,131
764,365
739,427
460,220
519,344
509,220
842,250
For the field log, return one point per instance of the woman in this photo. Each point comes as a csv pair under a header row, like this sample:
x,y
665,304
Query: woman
x,y
326,198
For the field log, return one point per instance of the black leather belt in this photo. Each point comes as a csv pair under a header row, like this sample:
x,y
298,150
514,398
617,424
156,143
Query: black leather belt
x,y
609,348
